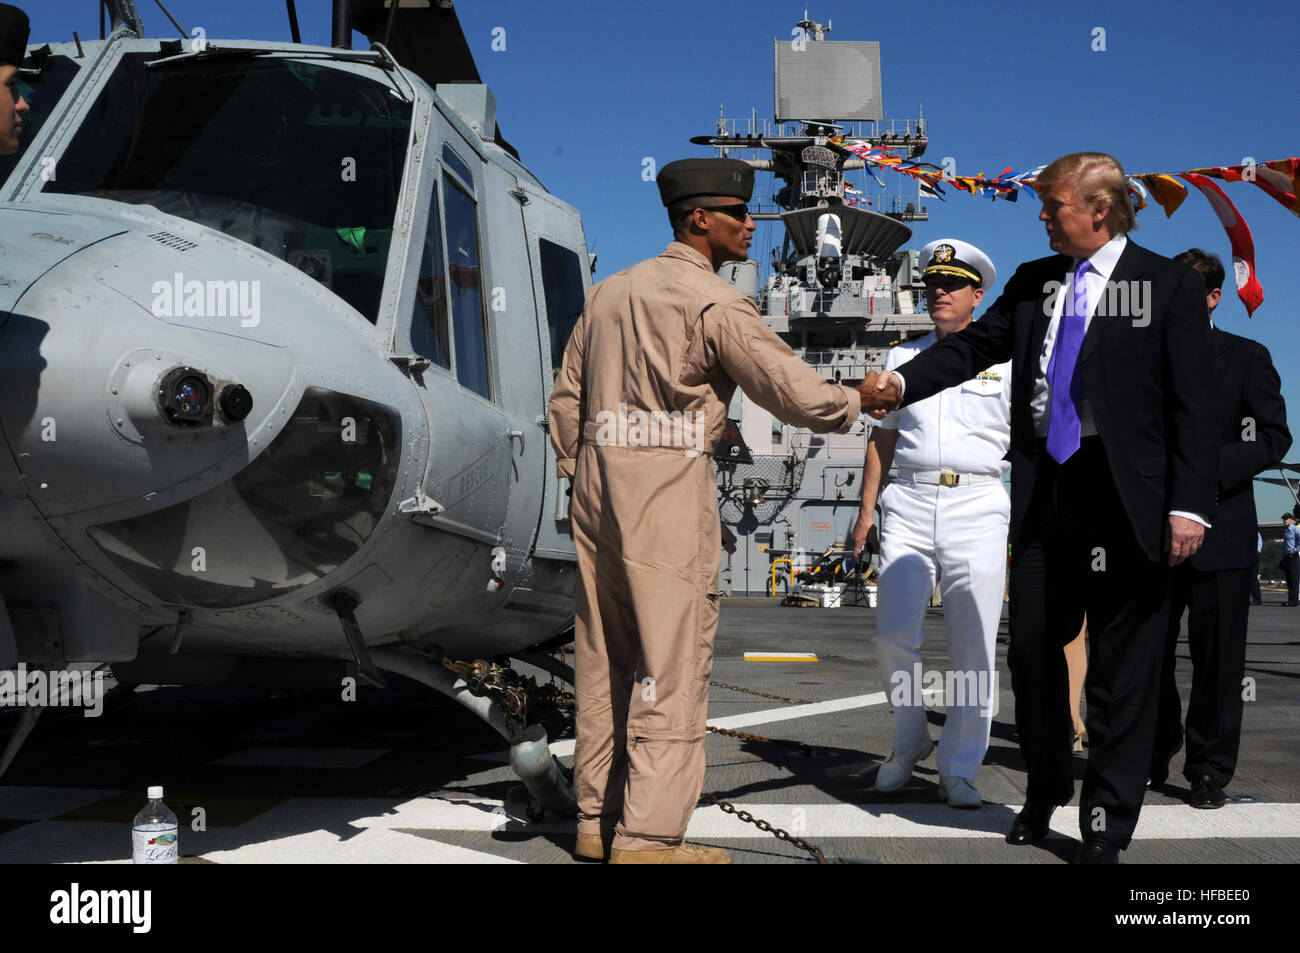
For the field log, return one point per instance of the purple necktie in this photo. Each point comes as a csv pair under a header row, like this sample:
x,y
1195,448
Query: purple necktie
x,y
1063,427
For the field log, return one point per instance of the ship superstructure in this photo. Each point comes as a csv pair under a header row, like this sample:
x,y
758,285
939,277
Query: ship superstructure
x,y
838,288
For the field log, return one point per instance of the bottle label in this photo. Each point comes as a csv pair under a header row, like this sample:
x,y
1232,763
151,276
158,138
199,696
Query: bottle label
x,y
154,847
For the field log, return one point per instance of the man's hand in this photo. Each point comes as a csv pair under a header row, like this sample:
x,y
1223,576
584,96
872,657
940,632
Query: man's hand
x,y
865,534
880,394
1185,538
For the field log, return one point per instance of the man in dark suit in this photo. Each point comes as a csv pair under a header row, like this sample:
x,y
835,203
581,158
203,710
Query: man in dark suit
x,y
1112,481
1214,585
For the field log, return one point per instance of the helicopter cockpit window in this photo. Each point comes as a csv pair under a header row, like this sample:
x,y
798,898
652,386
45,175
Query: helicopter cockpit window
x,y
42,94
469,331
565,298
429,322
302,160
457,165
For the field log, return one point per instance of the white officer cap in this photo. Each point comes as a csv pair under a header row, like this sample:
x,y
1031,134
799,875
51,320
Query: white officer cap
x,y
952,256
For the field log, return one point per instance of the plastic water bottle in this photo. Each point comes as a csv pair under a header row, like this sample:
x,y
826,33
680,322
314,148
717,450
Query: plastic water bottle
x,y
153,832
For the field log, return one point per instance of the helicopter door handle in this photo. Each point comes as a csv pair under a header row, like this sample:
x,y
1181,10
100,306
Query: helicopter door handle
x,y
511,435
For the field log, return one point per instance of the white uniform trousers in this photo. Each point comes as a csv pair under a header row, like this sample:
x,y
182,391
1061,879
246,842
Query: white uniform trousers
x,y
960,533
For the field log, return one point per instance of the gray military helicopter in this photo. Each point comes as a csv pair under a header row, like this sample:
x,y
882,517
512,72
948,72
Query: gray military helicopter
x,y
278,324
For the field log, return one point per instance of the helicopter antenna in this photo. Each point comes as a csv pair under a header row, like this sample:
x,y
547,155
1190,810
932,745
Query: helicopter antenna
x,y
341,37
180,28
293,22
121,13
392,17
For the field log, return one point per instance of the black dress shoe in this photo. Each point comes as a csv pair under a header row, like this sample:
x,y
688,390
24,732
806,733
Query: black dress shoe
x,y
1031,824
1159,772
1097,850
1206,794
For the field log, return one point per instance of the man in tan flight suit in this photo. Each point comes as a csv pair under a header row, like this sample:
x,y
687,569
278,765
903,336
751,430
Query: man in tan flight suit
x,y
640,402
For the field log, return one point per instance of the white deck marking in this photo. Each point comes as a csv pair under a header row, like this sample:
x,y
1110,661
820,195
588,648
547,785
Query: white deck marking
x,y
769,715
341,830
370,830
1158,822
370,846
564,748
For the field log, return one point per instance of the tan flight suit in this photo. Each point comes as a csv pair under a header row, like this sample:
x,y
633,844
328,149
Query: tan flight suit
x,y
666,335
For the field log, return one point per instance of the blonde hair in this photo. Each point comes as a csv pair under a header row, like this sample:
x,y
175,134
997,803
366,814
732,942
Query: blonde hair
x,y
1101,181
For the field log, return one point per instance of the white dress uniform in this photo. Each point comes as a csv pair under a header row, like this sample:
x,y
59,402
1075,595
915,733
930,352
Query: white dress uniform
x,y
957,531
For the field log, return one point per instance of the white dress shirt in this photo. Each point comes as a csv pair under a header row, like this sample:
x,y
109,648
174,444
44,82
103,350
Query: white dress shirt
x,y
1103,264
966,428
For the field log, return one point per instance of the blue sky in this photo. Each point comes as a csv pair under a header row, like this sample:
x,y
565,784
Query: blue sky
x,y
587,90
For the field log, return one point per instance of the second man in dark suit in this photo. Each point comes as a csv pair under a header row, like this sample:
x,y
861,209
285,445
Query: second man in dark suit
x,y
1215,584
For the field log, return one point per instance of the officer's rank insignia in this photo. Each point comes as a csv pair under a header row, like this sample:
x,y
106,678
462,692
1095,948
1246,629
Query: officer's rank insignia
x,y
943,254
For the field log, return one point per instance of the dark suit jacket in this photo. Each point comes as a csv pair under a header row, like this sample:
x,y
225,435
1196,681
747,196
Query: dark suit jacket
x,y
1248,387
1148,378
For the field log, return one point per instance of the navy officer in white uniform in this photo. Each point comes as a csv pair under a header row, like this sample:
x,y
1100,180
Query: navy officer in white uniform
x,y
944,516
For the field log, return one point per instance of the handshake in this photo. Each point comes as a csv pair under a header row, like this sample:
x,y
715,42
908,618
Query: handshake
x,y
880,392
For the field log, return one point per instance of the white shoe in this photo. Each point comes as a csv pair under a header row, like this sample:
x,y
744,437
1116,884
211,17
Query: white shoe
x,y
894,773
958,792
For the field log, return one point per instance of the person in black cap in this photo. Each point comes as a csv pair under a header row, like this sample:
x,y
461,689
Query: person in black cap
x,y
944,517
14,30
663,343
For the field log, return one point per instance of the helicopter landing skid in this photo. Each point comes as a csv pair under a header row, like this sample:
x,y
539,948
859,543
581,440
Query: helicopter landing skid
x,y
530,756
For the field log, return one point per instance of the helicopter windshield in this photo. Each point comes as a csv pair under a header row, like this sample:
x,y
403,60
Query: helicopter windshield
x,y
302,160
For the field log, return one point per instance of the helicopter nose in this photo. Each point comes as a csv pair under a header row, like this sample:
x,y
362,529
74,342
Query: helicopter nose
x,y
138,361
191,458
93,421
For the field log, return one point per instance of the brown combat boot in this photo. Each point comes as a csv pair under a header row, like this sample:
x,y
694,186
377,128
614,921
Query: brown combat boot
x,y
683,854
592,847
596,846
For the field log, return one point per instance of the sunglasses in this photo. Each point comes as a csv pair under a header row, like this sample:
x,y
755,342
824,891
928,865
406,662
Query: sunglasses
x,y
739,212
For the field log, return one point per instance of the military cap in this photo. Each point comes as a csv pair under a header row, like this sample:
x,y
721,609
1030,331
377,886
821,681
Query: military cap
x,y
14,30
691,178
1288,516
951,256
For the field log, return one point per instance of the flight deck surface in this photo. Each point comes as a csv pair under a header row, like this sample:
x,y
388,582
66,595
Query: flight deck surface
x,y
404,776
